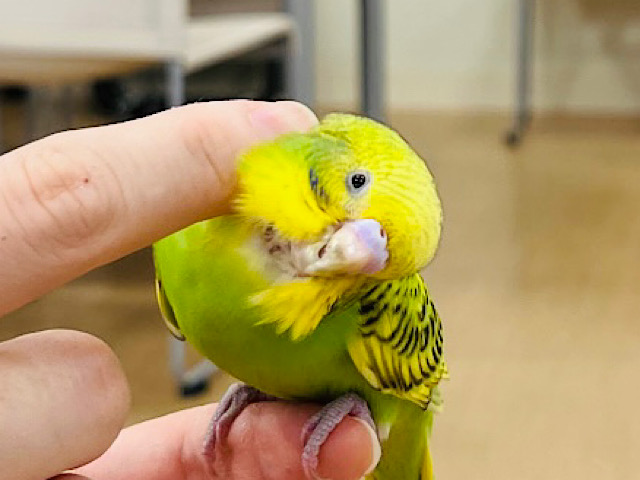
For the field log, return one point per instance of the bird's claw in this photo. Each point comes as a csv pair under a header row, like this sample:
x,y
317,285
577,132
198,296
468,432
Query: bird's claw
x,y
233,402
318,428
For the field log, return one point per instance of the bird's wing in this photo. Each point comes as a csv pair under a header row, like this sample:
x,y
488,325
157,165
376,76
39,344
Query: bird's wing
x,y
398,347
167,311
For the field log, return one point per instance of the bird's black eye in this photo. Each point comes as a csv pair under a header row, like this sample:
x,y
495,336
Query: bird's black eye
x,y
358,182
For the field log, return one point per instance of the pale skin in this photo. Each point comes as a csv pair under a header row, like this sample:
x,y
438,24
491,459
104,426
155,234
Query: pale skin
x,y
77,200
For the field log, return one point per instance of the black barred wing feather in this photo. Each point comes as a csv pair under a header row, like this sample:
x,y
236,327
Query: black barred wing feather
x,y
399,345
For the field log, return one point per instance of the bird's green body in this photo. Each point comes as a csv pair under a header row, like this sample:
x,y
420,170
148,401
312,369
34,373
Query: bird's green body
x,y
379,337
215,283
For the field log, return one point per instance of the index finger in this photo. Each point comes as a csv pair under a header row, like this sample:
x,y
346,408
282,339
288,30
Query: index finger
x,y
77,200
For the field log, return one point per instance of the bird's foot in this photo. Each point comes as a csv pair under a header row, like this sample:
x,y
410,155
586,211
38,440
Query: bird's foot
x,y
233,402
318,428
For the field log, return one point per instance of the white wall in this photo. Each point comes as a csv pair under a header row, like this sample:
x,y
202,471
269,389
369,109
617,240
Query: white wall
x,y
459,54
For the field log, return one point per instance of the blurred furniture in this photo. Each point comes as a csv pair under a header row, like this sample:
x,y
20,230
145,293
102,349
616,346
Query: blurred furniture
x,y
371,32
372,59
45,43
522,106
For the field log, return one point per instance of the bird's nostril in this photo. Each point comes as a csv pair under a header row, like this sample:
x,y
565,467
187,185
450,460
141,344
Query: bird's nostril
x,y
322,251
382,234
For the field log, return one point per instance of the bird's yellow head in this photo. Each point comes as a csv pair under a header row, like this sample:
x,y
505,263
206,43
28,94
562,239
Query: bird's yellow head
x,y
309,186
345,204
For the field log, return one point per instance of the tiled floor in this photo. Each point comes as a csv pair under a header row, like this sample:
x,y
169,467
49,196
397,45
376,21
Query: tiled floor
x,y
537,281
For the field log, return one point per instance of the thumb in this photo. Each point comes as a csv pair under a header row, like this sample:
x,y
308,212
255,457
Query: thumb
x,y
79,199
265,442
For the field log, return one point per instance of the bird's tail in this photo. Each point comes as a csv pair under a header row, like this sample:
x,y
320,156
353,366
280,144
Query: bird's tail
x,y
427,466
405,453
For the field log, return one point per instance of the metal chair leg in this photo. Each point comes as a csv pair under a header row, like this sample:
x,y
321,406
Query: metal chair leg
x,y
522,113
189,381
174,83
32,124
195,380
300,62
372,73
68,106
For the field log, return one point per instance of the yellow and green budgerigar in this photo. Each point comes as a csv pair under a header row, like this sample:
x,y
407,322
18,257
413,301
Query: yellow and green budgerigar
x,y
310,290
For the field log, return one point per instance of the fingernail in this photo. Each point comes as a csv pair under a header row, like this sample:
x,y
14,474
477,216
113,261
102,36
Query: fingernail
x,y
272,119
376,449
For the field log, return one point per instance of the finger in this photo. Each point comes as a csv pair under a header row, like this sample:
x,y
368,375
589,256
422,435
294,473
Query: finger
x,y
64,399
264,443
79,199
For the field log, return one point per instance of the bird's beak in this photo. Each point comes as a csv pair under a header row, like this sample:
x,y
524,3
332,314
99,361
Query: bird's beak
x,y
355,247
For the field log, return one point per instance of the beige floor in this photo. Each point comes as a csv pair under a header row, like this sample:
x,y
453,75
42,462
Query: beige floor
x,y
537,281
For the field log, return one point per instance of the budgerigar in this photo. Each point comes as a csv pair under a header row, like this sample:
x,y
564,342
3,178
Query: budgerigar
x,y
310,290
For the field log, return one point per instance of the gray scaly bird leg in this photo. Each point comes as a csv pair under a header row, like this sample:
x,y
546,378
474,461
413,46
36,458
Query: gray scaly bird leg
x,y
234,401
319,427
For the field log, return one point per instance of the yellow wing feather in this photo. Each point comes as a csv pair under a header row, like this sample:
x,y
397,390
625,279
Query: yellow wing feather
x,y
166,311
274,189
399,345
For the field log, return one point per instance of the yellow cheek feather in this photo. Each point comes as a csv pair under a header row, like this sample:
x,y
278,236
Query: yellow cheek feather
x,y
274,189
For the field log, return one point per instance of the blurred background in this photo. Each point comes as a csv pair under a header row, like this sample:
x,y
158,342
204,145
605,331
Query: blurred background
x,y
528,114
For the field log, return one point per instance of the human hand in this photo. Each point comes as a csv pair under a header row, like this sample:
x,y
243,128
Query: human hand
x,y
80,199
264,443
